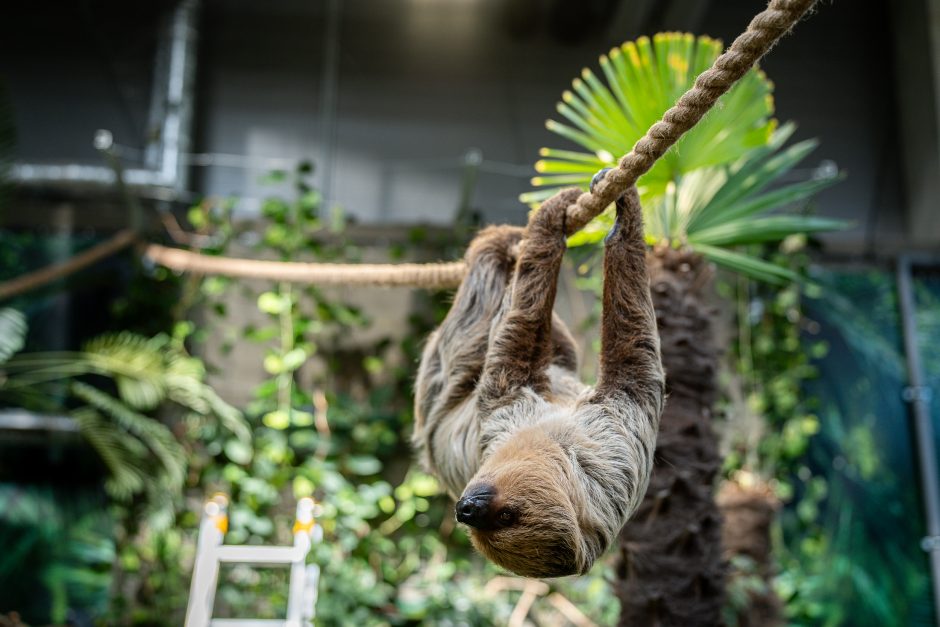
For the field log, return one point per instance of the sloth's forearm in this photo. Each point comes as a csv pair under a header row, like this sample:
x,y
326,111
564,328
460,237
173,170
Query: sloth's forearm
x,y
521,348
630,360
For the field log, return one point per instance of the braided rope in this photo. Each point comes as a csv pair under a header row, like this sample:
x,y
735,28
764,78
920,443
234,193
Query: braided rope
x,y
36,279
762,33
427,275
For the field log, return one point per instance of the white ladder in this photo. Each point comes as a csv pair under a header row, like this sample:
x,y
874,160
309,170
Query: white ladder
x,y
211,553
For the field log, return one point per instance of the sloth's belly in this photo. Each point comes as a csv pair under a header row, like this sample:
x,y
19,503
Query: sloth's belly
x,y
455,447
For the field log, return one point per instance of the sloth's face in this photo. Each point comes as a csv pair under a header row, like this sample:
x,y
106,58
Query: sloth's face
x,y
519,511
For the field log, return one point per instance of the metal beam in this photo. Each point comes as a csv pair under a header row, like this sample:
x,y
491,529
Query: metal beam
x,y
918,395
170,117
22,420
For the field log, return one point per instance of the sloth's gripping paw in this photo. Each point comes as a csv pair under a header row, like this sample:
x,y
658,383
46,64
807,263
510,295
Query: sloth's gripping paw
x,y
628,203
549,221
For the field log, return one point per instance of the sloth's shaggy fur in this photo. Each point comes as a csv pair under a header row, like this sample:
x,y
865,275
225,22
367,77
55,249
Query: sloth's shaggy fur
x,y
500,410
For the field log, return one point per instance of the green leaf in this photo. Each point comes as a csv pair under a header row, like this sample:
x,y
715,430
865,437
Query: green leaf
x,y
277,419
641,80
294,359
155,436
765,202
301,418
765,229
238,451
273,364
273,303
749,266
121,457
363,464
12,332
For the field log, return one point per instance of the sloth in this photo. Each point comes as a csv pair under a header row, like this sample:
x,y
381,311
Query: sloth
x,y
545,469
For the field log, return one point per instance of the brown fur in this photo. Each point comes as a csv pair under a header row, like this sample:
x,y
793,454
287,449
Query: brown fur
x,y
499,405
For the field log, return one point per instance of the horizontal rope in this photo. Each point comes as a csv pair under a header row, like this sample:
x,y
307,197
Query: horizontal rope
x,y
38,278
427,275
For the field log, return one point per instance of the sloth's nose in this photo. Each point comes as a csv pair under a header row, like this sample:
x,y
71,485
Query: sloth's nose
x,y
474,510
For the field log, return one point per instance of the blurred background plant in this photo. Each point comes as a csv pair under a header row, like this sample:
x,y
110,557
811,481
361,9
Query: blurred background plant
x,y
126,395
329,422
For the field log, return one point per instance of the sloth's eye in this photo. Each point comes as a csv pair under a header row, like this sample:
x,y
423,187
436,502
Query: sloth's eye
x,y
506,517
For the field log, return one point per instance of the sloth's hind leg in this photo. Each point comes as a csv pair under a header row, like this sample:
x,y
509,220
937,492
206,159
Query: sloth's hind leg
x,y
453,358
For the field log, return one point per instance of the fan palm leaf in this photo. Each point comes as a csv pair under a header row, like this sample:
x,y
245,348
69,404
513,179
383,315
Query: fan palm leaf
x,y
714,188
643,79
149,432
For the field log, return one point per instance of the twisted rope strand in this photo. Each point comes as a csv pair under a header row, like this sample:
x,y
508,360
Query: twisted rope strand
x,y
43,276
426,275
762,33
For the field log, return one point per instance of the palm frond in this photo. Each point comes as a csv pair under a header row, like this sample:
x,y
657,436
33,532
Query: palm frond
x,y
155,436
122,456
714,189
748,265
763,229
642,80
12,332
146,371
136,364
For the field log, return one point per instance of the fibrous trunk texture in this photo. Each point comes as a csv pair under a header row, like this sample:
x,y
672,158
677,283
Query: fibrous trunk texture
x,y
749,509
671,571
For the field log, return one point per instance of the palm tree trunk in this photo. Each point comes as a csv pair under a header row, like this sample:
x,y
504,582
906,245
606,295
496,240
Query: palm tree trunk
x,y
749,509
671,570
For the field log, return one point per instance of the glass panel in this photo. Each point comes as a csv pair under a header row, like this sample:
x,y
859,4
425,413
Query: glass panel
x,y
860,549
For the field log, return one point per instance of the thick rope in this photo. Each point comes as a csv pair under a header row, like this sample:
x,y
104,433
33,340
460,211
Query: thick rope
x,y
762,33
38,278
427,275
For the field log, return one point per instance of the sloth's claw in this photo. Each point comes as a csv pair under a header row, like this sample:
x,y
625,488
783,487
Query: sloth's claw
x,y
600,175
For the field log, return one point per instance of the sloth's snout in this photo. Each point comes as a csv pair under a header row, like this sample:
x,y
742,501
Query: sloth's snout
x,y
474,510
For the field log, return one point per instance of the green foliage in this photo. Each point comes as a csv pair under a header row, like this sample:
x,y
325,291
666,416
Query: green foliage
x,y
714,189
141,454
769,420
54,537
852,552
330,421
845,543
12,332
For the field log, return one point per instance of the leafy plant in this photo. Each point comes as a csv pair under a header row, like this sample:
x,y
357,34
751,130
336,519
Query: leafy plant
x,y
141,453
57,539
852,552
330,421
713,189
12,332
